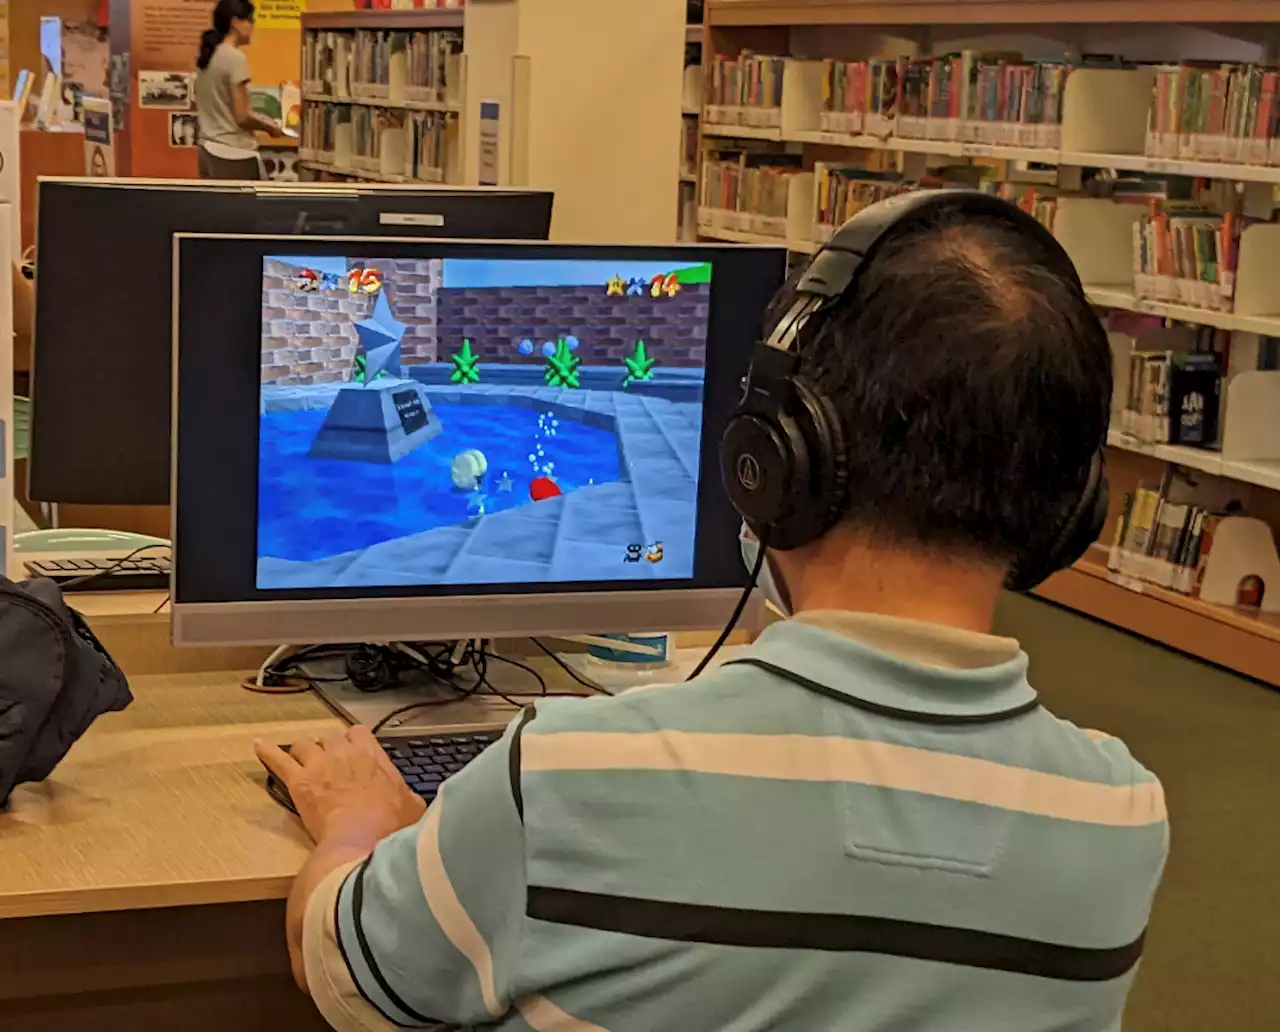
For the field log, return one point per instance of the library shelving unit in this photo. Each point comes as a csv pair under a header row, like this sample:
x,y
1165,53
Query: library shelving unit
x,y
552,94
690,111
1104,120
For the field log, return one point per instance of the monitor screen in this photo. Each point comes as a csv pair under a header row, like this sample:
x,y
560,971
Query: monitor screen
x,y
479,420
381,439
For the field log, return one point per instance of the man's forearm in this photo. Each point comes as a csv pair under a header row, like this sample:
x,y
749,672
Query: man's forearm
x,y
327,857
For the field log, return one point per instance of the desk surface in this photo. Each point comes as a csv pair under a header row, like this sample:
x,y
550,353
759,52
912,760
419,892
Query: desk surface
x,y
163,804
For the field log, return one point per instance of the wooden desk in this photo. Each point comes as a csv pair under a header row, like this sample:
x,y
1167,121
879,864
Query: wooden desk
x,y
142,886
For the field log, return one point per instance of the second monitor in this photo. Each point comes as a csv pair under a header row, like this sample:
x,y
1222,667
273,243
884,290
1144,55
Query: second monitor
x,y
103,329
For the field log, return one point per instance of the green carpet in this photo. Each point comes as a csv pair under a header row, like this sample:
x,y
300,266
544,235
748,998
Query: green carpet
x,y
1212,959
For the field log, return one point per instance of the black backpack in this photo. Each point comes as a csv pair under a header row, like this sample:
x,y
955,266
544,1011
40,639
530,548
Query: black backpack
x,y
55,679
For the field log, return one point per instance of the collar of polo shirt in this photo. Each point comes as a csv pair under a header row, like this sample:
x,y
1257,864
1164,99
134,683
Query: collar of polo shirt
x,y
901,664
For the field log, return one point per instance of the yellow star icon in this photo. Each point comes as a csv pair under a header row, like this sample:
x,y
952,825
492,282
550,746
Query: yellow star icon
x,y
616,287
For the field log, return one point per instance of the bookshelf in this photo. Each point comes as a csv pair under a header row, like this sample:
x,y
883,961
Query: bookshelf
x,y
788,122
787,13
570,91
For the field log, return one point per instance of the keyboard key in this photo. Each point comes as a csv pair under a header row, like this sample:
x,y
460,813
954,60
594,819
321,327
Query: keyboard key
x,y
427,762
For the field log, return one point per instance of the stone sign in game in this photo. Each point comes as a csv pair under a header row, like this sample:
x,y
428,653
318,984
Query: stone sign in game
x,y
475,421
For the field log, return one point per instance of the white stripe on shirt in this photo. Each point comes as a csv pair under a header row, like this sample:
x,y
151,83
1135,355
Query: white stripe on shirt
x,y
832,759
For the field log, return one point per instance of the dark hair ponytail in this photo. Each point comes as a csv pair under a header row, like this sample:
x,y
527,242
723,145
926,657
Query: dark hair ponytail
x,y
223,14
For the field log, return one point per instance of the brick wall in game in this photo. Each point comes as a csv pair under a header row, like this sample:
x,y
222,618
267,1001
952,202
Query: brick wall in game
x,y
307,337
497,319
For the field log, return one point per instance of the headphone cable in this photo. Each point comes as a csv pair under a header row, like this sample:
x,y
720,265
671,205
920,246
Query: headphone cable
x,y
737,610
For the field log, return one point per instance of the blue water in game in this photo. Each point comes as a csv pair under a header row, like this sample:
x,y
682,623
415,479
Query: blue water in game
x,y
313,508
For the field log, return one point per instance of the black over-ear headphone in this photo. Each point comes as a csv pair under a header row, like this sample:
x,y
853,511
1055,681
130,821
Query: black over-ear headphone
x,y
783,454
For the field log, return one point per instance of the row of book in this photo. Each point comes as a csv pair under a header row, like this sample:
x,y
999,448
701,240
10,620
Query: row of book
x,y
744,90
381,65
751,185
1038,203
1163,542
859,96
1187,257
393,145
980,98
1173,397
1216,112
688,147
841,191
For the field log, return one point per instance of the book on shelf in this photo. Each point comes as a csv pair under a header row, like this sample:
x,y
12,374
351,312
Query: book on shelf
x,y
326,64
1040,204
748,192
1162,541
380,65
1187,258
997,99
859,96
688,147
1210,111
745,90
1173,397
841,191
388,144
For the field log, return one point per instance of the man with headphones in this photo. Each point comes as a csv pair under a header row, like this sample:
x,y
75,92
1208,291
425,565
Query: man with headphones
x,y
866,822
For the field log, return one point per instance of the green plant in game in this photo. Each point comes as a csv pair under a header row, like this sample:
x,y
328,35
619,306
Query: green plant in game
x,y
466,364
639,364
358,366
562,366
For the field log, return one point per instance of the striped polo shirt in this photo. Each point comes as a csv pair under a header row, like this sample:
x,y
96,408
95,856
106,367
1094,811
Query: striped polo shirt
x,y
865,823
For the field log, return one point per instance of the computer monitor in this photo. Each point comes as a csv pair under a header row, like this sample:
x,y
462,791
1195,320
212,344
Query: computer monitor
x,y
103,326
484,439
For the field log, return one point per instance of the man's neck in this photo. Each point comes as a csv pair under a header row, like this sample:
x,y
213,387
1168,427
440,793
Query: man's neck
x,y
847,571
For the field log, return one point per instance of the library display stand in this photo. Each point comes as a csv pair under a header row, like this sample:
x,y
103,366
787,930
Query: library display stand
x,y
1106,122
552,94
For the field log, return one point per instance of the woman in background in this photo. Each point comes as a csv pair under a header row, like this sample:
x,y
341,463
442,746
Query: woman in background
x,y
228,148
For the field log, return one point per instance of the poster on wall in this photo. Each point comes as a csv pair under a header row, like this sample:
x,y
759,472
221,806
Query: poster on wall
x,y
99,154
85,57
183,130
166,33
172,90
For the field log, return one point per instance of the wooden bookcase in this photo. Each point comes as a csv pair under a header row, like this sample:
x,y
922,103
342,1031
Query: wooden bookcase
x,y
1104,126
587,102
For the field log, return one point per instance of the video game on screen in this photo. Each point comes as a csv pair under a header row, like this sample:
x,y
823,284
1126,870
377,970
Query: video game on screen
x,y
478,422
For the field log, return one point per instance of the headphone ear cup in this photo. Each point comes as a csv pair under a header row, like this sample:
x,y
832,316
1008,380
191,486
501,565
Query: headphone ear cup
x,y
819,490
762,456
1080,530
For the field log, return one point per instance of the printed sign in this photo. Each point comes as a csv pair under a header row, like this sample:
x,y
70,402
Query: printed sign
x,y
99,154
413,417
278,14
490,124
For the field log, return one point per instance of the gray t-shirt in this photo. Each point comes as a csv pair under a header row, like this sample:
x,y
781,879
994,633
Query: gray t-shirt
x,y
220,134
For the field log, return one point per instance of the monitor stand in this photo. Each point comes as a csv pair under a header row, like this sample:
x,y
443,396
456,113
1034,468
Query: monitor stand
x,y
370,708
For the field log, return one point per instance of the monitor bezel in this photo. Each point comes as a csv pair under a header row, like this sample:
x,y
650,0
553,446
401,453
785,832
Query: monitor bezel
x,y
206,612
